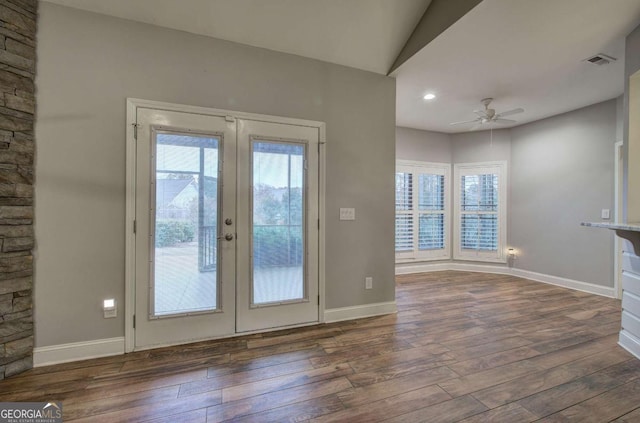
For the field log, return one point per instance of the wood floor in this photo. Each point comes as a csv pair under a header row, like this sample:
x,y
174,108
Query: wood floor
x,y
465,347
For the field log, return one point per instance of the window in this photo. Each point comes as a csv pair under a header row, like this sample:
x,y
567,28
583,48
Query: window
x,y
480,200
422,211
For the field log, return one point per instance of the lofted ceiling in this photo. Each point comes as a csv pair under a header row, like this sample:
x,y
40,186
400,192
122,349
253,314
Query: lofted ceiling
x,y
363,34
524,53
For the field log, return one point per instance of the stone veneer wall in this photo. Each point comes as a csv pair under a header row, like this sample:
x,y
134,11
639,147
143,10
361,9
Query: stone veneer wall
x,y
17,108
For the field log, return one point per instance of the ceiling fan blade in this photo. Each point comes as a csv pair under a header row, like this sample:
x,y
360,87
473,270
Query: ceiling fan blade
x,y
480,113
499,120
465,121
511,112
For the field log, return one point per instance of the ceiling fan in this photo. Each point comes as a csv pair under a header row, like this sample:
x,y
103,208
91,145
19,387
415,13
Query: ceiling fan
x,y
489,115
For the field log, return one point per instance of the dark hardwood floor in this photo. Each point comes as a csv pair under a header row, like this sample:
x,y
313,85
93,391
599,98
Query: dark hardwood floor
x,y
467,347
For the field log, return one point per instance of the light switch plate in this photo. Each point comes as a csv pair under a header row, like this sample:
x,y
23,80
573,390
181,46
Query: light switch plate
x,y
347,213
605,214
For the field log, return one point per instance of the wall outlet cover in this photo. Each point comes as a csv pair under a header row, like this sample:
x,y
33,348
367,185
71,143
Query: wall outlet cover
x,y
347,213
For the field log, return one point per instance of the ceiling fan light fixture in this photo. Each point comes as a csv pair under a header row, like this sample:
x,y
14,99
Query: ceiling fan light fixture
x,y
489,116
429,96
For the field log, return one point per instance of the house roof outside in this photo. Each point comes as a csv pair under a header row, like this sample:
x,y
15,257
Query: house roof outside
x,y
168,189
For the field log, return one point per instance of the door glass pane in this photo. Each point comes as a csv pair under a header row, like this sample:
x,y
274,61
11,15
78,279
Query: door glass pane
x,y
185,236
278,215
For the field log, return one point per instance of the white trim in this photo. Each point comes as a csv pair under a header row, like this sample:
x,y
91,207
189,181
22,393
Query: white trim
x,y
427,168
629,343
64,353
403,269
617,241
591,288
359,311
322,190
76,351
174,107
132,105
130,239
500,168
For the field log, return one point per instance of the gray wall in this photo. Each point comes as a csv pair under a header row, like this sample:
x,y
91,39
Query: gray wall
x,y
481,146
561,172
88,64
620,118
631,185
426,146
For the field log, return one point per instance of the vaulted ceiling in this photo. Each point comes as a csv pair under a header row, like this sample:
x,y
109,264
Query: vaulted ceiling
x,y
523,53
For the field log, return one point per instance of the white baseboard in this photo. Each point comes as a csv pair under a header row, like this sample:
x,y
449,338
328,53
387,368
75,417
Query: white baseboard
x,y
64,353
591,288
629,343
75,351
359,311
404,269
503,270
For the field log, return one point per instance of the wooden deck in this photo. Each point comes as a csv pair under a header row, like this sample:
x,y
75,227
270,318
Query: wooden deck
x,y
465,347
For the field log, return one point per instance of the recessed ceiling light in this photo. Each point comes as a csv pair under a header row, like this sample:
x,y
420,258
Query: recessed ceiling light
x,y
429,96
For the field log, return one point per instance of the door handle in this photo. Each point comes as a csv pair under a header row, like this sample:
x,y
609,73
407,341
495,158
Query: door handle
x,y
228,237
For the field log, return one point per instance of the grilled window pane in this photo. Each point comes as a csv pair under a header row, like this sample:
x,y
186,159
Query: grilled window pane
x,y
479,232
431,231
404,232
431,192
404,191
479,192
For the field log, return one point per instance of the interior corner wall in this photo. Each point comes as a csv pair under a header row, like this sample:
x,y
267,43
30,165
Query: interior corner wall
x,y
482,146
425,146
562,174
88,64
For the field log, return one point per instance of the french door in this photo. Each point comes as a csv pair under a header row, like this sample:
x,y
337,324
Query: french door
x,y
226,225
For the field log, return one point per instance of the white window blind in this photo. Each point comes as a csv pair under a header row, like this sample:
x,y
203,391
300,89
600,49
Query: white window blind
x,y
480,211
422,212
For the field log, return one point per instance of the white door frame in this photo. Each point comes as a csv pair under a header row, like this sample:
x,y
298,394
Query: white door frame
x,y
130,258
617,194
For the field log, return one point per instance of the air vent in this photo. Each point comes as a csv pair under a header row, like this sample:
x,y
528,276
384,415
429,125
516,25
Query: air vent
x,y
600,59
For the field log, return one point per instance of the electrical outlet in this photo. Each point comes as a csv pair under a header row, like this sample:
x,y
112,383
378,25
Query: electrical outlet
x,y
347,213
368,282
110,308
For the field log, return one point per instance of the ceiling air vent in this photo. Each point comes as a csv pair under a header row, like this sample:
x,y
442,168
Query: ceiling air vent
x,y
600,59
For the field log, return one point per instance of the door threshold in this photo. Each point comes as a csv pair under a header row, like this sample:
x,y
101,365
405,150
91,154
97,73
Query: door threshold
x,y
229,336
